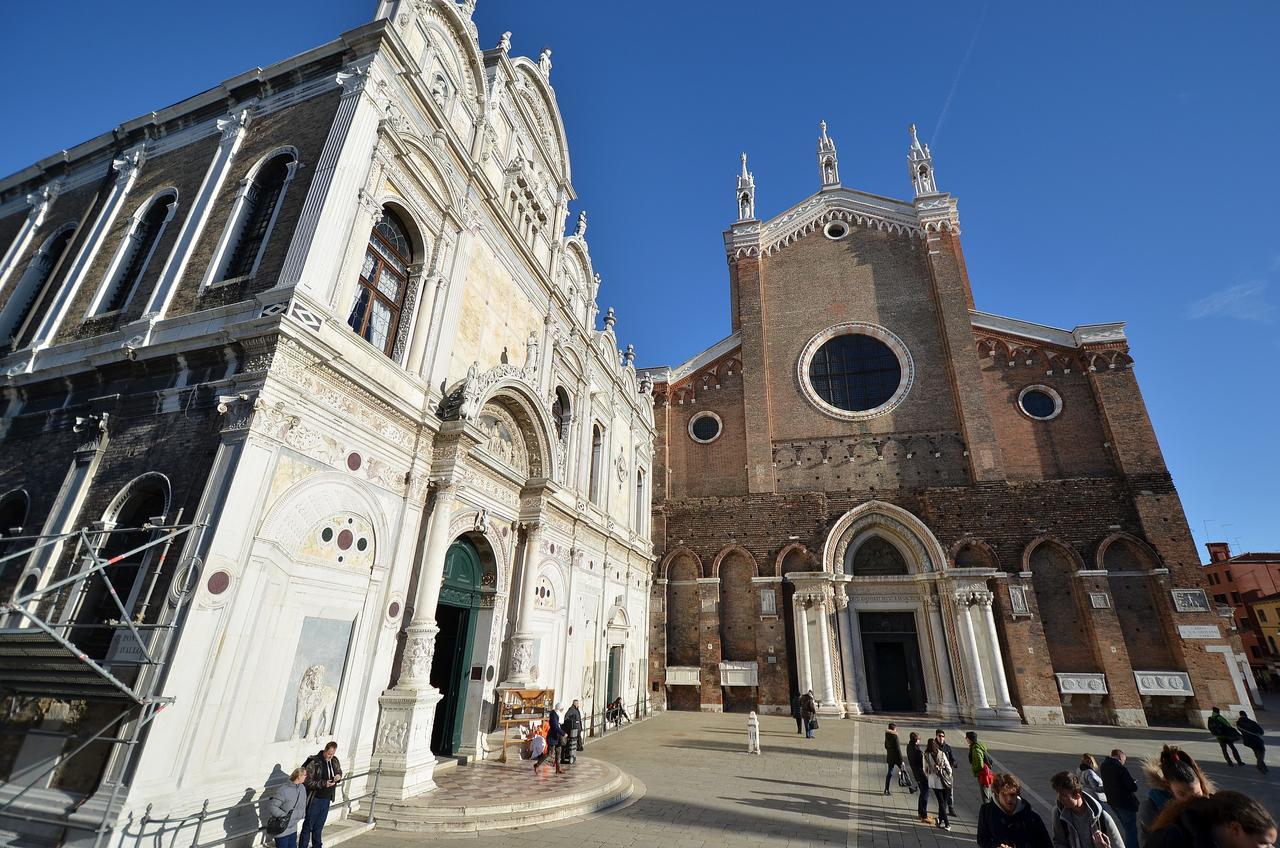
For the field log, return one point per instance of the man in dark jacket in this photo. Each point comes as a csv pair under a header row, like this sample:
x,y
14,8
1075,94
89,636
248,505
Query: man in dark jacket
x,y
1121,791
892,755
940,739
915,759
1252,733
808,712
795,711
1009,820
572,725
324,773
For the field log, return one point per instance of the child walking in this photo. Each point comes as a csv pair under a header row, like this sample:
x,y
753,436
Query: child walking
x,y
753,733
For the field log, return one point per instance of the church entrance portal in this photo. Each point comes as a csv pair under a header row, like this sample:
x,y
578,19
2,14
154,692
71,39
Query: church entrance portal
x,y
891,650
456,614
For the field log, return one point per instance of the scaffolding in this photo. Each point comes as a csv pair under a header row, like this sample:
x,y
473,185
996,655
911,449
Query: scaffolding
x,y
76,638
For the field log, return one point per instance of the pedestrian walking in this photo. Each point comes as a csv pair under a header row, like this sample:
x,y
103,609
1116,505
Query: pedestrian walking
x,y
555,737
980,765
285,807
753,733
324,773
940,776
1079,821
1121,790
1225,820
1174,776
915,759
1009,821
940,739
893,758
1091,779
1226,735
796,712
1251,733
572,724
809,712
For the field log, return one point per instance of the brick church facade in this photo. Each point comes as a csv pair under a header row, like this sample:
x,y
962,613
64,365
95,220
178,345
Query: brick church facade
x,y
874,490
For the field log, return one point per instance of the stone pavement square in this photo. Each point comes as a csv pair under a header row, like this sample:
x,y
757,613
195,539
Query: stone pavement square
x,y
703,790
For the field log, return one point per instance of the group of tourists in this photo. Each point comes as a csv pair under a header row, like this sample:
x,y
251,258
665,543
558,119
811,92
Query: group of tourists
x,y
304,798
1097,805
557,739
933,767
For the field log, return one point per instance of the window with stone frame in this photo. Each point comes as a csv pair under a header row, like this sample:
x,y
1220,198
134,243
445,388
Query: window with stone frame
x,y
256,217
136,252
31,286
384,279
597,461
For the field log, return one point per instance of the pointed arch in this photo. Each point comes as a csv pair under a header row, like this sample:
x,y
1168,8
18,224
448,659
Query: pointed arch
x,y
664,567
794,547
719,558
956,554
907,532
1144,552
530,80
1050,539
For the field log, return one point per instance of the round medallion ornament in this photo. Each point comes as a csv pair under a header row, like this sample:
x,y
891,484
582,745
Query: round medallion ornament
x,y
855,371
218,582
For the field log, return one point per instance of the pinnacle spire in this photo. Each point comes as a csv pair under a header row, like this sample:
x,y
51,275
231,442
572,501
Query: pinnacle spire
x,y
828,162
746,193
920,166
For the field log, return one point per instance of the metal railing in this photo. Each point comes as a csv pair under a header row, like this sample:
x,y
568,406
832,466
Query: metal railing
x,y
600,721
242,824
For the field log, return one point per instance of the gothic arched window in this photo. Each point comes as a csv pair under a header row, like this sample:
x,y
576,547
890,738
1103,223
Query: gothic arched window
x,y
384,277
31,285
255,216
560,412
877,557
597,460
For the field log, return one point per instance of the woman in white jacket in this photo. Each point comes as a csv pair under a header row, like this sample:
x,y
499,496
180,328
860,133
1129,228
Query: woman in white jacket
x,y
1090,777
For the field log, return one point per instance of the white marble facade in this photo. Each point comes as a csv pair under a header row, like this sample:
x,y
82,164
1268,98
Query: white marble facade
x,y
504,414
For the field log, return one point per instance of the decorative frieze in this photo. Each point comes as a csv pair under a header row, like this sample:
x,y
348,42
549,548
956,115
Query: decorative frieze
x,y
1082,684
1172,683
739,674
684,675
1190,600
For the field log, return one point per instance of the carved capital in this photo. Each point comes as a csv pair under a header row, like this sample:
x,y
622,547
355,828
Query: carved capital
x,y
128,164
232,126
371,207
92,430
419,651
352,79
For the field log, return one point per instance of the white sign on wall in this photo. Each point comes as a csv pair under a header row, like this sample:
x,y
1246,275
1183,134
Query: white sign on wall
x,y
1199,631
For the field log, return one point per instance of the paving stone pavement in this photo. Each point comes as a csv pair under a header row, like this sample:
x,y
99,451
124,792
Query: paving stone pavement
x,y
704,791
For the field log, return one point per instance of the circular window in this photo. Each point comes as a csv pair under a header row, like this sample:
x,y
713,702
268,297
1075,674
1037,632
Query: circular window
x,y
705,427
855,371
1040,402
836,230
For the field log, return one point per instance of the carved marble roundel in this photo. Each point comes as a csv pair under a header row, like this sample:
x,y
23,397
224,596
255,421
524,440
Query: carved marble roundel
x,y
344,539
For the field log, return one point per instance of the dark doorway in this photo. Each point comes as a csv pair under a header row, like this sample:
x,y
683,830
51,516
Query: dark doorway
x,y
613,687
460,599
891,650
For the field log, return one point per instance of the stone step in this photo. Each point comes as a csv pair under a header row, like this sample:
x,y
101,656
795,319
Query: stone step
x,y
422,815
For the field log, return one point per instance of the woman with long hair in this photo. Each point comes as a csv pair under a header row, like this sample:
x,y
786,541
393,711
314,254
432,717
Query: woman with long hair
x,y
1174,776
938,770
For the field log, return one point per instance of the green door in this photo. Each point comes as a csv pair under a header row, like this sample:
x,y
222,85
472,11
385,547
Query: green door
x,y
460,598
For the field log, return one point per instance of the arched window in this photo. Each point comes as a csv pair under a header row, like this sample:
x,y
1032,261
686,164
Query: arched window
x,y
560,412
259,203
13,515
384,277
597,460
32,283
877,557
642,501
135,254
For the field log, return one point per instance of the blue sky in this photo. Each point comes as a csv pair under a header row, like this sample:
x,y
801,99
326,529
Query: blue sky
x,y
1112,161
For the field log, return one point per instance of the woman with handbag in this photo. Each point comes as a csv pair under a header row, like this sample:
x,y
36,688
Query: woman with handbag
x,y
938,769
285,807
809,712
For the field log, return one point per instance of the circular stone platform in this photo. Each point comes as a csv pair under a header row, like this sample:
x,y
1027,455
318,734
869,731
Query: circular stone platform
x,y
492,796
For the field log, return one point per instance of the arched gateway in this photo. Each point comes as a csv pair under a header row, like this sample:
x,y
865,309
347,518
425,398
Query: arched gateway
x,y
888,626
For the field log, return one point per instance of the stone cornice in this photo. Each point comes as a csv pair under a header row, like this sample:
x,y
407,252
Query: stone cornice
x,y
752,238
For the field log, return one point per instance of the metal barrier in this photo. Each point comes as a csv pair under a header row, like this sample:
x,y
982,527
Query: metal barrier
x,y
187,831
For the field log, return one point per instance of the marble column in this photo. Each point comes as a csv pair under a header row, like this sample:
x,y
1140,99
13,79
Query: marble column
x,y
942,658
998,679
856,699
403,739
523,641
828,693
969,643
803,668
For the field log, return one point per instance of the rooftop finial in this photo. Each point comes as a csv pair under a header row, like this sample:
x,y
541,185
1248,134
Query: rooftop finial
x,y
828,163
920,164
504,43
746,193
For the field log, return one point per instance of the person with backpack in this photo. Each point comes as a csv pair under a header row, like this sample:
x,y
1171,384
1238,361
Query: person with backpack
x,y
285,807
980,765
1252,732
940,778
940,739
1226,735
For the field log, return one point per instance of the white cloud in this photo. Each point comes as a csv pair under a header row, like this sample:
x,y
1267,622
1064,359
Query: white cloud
x,y
1244,302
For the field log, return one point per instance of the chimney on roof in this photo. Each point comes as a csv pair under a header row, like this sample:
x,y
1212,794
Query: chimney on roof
x,y
1218,551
